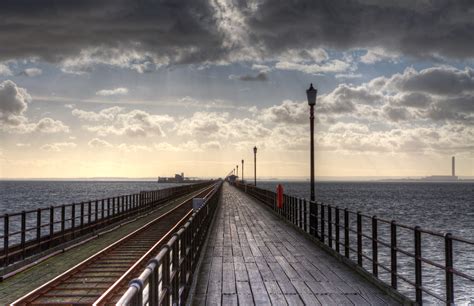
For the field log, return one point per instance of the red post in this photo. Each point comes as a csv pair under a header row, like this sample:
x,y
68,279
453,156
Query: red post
x,y
280,196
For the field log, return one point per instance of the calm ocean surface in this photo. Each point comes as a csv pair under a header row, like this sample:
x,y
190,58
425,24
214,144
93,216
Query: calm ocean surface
x,y
444,207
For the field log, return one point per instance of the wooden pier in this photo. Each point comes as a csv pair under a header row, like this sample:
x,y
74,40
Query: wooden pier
x,y
253,257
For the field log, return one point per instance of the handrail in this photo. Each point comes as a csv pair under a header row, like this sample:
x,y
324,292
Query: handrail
x,y
31,232
333,224
168,276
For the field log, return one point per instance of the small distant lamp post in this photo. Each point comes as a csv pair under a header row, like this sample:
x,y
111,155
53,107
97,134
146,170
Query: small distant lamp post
x,y
237,166
243,171
255,165
311,94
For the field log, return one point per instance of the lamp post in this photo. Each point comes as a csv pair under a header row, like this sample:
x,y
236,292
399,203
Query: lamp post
x,y
237,166
242,172
255,165
311,94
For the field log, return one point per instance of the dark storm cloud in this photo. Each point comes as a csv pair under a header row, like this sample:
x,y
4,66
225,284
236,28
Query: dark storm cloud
x,y
53,29
420,28
437,80
260,77
194,31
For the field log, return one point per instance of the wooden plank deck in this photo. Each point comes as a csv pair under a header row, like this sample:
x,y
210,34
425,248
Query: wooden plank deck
x,y
254,258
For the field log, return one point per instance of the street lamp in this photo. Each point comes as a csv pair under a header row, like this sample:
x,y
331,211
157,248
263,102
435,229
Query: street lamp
x,y
311,94
237,166
255,165
243,172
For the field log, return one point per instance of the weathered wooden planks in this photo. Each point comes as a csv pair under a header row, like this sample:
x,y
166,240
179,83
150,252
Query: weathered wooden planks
x,y
254,258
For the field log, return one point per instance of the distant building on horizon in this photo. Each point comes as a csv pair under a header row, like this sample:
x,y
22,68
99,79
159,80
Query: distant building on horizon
x,y
443,178
178,178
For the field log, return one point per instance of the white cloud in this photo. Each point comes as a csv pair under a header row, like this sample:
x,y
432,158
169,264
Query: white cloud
x,y
287,112
99,143
375,55
112,92
188,146
58,146
348,76
32,72
13,100
261,68
127,148
48,125
13,104
114,121
317,55
88,59
213,125
332,66
5,70
23,145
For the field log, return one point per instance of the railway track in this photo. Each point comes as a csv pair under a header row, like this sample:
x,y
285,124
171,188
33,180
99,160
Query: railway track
x,y
103,277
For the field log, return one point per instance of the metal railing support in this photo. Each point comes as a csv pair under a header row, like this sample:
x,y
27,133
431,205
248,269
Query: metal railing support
x,y
418,270
375,256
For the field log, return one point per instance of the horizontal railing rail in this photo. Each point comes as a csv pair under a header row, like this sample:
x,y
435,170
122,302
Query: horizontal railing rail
x,y
168,276
33,231
337,228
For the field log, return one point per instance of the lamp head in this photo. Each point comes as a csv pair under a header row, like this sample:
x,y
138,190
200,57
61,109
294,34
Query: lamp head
x,y
255,150
311,94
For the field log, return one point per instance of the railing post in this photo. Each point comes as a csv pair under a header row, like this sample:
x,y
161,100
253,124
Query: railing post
x,y
38,227
73,220
82,216
418,275
375,254
329,225
337,230
23,233
175,281
63,221
153,284
346,233
295,214
102,207
89,213
300,214
359,239
321,238
108,210
51,224
393,253
305,214
316,222
6,236
165,277
96,211
448,242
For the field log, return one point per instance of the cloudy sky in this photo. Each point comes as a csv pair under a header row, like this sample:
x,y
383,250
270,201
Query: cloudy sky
x,y
109,88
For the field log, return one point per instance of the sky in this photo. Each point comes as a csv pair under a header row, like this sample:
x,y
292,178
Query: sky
x,y
116,88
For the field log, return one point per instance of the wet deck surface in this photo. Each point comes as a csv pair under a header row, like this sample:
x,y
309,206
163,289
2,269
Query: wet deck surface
x,y
252,257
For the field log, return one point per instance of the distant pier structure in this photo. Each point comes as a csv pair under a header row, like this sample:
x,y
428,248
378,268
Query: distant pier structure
x,y
178,178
